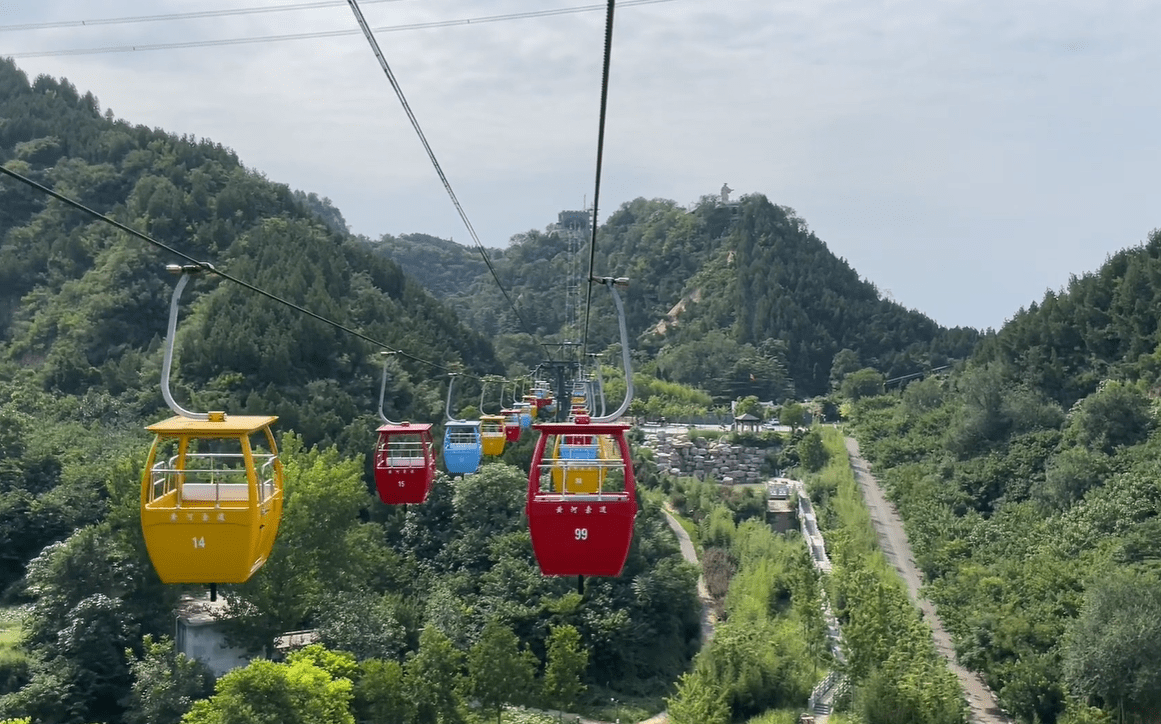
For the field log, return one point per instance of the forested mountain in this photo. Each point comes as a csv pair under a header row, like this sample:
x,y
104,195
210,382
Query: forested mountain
x,y
1102,325
1030,485
83,306
740,299
442,266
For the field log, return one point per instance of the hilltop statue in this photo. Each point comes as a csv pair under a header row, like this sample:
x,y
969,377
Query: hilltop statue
x,y
726,193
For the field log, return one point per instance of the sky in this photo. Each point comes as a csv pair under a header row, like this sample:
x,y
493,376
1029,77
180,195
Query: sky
x,y
963,156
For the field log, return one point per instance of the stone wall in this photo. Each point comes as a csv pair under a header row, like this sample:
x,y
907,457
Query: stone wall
x,y
718,460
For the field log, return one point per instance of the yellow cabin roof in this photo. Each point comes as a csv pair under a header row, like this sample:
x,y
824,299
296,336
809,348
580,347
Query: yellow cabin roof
x,y
232,425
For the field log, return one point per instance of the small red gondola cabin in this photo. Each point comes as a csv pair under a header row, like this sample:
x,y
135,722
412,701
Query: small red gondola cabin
x,y
404,462
512,425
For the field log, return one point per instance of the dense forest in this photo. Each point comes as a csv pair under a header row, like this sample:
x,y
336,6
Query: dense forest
x,y
739,299
1030,486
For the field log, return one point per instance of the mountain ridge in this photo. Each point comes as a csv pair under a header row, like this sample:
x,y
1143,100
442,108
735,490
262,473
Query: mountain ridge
x,y
750,267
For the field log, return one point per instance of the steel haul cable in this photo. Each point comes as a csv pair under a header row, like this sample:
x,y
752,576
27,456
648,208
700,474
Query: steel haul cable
x,y
178,16
431,155
600,153
301,36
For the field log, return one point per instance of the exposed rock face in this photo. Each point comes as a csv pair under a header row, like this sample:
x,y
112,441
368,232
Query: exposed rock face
x,y
718,460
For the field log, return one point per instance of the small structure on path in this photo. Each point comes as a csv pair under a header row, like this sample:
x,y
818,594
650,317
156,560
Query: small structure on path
x,y
747,423
200,633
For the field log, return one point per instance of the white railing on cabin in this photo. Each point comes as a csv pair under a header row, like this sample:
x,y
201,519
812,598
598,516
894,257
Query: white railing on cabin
x,y
216,478
401,453
458,439
609,473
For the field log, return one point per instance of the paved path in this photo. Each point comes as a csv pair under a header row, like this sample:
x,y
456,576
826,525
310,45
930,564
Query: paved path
x,y
708,619
897,549
689,553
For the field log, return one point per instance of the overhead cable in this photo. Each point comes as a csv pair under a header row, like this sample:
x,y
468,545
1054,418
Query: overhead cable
x,y
137,47
431,155
600,154
179,16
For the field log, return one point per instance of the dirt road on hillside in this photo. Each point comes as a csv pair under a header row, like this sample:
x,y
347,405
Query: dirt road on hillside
x,y
893,541
689,553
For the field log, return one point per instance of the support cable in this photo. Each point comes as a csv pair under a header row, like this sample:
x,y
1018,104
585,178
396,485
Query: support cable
x,y
307,35
431,155
165,17
600,154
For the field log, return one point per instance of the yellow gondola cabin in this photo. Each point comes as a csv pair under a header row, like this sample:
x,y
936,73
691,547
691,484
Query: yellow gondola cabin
x,y
492,434
211,497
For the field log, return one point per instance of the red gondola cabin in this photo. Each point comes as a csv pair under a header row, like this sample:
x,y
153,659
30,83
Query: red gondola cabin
x,y
512,425
581,534
404,463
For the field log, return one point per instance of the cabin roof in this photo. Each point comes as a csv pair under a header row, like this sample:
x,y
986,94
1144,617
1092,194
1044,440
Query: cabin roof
x,y
231,425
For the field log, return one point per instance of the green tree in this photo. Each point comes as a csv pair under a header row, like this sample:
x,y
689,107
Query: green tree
x,y
877,617
1070,475
758,664
717,528
811,452
982,418
487,504
845,362
499,672
911,687
749,405
322,547
92,600
1117,414
566,664
793,414
166,683
269,693
1077,713
1113,650
381,694
339,664
361,622
698,701
866,382
433,677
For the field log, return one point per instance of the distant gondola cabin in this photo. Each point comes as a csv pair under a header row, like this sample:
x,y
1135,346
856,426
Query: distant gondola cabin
x,y
492,435
462,446
526,411
512,424
404,463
